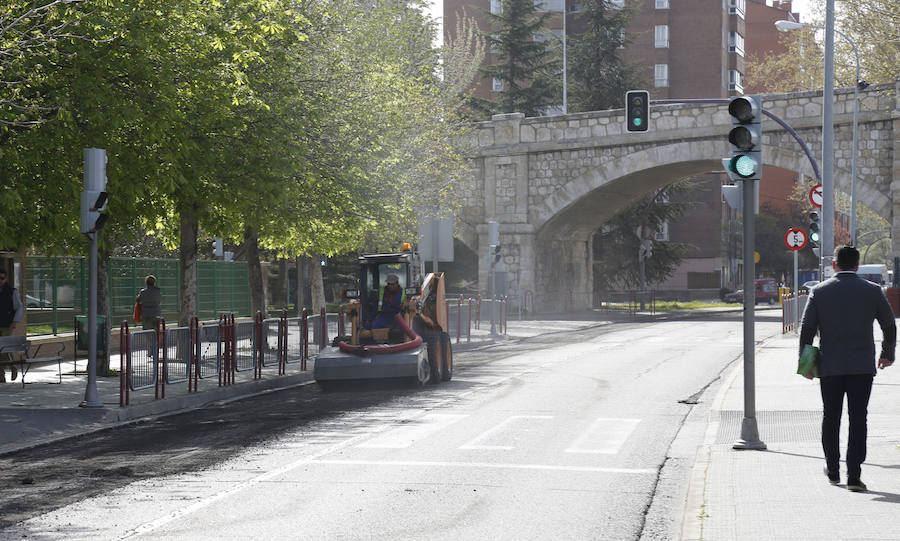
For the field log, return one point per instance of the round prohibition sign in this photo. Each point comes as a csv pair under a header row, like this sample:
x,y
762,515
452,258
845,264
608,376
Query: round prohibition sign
x,y
815,195
795,238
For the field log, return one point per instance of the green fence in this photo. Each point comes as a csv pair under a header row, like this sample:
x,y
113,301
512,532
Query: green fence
x,y
57,289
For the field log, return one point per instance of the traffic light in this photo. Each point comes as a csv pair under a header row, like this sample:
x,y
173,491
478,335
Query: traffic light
x,y
93,197
323,260
637,110
495,253
745,138
93,203
814,228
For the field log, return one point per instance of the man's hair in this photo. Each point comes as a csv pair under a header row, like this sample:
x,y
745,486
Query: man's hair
x,y
846,257
151,280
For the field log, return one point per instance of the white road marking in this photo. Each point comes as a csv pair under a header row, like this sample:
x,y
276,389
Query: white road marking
x,y
404,436
605,436
478,444
485,465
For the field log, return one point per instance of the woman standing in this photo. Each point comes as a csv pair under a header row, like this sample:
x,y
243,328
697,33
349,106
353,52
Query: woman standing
x,y
151,303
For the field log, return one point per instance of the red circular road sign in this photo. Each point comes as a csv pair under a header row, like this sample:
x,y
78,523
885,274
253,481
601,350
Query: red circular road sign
x,y
795,238
815,195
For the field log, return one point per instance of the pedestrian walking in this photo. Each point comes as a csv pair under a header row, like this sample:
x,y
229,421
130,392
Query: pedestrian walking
x,y
150,299
842,310
10,315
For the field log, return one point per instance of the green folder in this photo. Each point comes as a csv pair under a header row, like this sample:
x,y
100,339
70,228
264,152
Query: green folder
x,y
807,365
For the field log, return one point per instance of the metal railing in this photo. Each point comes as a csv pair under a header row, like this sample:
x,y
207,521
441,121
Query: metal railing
x,y
792,307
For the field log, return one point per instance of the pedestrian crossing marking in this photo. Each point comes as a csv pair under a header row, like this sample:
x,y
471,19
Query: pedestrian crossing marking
x,y
482,465
404,436
479,443
605,436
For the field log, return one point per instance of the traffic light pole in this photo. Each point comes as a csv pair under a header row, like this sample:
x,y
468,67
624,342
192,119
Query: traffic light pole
x,y
749,430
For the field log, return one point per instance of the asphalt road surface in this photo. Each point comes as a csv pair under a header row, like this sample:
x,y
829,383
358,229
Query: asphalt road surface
x,y
562,436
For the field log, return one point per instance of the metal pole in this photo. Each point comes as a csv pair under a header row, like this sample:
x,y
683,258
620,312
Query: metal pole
x,y
749,431
796,294
828,140
91,396
565,74
855,148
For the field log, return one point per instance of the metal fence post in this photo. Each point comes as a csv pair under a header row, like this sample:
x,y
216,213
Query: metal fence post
x,y
324,337
304,338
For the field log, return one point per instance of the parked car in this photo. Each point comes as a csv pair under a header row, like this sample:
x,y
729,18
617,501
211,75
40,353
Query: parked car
x,y
34,302
809,284
766,291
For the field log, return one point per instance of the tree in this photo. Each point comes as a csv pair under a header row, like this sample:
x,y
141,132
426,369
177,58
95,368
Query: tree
x,y
871,24
29,34
527,62
599,77
616,245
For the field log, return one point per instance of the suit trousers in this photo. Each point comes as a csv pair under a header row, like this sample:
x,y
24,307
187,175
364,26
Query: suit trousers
x,y
858,388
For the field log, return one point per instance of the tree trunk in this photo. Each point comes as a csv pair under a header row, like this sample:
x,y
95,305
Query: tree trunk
x,y
318,288
257,291
188,259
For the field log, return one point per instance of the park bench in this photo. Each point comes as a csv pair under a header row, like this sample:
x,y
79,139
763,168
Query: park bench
x,y
23,356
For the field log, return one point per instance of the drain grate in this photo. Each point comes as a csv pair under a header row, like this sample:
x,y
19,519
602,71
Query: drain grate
x,y
780,426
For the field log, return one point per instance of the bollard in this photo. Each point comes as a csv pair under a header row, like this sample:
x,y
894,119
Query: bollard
x,y
458,317
258,349
194,354
160,367
324,338
123,352
304,338
469,325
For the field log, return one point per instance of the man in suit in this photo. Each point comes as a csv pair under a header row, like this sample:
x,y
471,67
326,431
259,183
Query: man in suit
x,y
842,309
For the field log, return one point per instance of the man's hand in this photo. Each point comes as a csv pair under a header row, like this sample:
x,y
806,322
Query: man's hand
x,y
884,363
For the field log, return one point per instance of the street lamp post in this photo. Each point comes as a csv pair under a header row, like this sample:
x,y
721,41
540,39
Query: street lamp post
x,y
786,26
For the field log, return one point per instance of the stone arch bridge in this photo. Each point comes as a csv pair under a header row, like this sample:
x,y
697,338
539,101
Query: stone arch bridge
x,y
551,182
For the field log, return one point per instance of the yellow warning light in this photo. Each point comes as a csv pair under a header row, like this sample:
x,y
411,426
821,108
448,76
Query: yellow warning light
x,y
407,247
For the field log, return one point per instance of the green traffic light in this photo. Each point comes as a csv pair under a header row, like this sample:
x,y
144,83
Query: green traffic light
x,y
636,121
743,165
814,236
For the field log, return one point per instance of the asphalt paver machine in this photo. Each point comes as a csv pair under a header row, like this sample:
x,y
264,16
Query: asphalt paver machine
x,y
413,346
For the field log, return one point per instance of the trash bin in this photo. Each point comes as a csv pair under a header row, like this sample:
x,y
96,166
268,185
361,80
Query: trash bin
x,y
893,297
81,323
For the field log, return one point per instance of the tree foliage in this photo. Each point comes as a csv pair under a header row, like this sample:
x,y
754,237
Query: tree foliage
x,y
616,245
526,59
599,76
871,24
304,126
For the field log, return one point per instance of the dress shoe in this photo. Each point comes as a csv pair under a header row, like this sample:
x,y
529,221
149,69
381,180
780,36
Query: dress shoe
x,y
856,485
833,478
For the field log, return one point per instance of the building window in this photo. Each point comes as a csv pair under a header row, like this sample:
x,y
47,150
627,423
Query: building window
x,y
735,43
498,85
662,4
617,4
549,5
735,81
661,75
496,7
662,36
736,7
621,39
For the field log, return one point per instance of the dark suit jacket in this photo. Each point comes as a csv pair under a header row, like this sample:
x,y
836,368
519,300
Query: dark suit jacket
x,y
842,310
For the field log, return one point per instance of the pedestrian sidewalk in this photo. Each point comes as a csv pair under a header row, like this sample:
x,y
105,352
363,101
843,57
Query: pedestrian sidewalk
x,y
43,411
781,493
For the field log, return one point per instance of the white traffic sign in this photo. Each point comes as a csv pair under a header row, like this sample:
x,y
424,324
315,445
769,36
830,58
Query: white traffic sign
x,y
795,238
815,195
